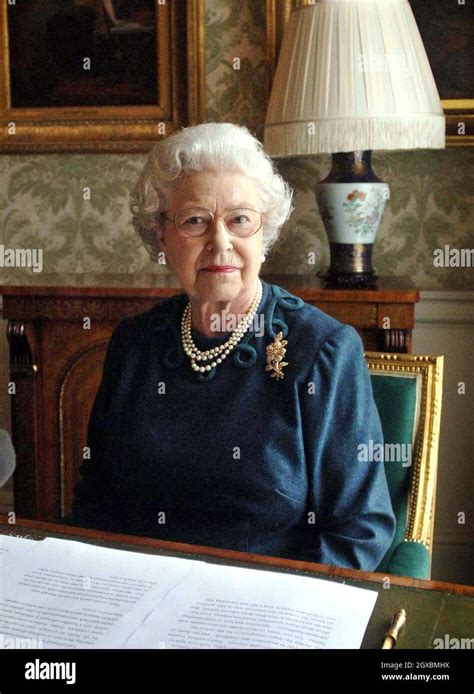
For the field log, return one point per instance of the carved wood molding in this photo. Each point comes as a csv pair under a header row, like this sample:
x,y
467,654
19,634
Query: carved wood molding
x,y
22,362
75,308
97,349
395,340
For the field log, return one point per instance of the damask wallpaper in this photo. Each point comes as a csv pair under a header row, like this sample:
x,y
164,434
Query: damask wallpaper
x,y
42,202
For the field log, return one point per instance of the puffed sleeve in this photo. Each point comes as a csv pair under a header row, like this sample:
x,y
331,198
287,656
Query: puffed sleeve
x,y
95,502
350,517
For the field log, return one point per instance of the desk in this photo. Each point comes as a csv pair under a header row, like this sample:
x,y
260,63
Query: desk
x,y
434,609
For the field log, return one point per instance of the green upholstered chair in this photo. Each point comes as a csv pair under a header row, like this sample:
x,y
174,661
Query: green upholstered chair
x,y
407,391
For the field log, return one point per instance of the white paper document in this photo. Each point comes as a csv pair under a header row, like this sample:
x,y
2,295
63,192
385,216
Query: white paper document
x,y
69,594
11,545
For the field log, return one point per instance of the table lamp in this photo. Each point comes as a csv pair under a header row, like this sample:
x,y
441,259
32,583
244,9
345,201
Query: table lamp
x,y
352,76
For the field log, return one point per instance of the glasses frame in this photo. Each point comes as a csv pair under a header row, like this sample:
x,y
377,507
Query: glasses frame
x,y
213,220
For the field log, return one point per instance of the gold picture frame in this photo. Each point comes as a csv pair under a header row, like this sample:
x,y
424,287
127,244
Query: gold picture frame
x,y
180,100
459,112
459,116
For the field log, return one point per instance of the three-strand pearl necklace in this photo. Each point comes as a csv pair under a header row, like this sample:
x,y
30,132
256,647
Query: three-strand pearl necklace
x,y
218,354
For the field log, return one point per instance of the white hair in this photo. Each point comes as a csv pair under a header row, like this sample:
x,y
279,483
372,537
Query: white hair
x,y
206,147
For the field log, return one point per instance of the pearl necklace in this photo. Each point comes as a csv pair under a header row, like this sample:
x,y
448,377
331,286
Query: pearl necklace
x,y
218,354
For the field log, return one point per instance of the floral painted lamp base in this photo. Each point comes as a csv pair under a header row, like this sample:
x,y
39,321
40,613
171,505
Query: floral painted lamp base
x,y
351,201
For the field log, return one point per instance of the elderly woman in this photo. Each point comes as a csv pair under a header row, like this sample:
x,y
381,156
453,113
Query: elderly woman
x,y
231,415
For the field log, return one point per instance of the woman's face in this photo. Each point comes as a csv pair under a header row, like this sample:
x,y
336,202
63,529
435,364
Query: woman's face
x,y
189,257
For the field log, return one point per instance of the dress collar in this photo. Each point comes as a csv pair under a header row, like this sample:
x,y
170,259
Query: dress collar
x,y
166,316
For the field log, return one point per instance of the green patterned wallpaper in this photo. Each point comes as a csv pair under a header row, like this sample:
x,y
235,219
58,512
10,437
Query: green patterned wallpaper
x,y
42,203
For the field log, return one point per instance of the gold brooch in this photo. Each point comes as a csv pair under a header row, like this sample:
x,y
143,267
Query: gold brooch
x,y
275,354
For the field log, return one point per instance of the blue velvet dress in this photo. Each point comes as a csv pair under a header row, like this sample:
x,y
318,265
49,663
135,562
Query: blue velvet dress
x,y
235,458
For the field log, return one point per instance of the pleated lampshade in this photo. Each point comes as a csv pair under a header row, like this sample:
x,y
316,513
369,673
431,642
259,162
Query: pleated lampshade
x,y
353,75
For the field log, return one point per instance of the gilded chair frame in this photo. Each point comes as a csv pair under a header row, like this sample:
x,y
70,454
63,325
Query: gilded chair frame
x,y
428,369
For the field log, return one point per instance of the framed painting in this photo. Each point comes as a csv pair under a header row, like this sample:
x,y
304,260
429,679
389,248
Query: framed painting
x,y
447,31
448,36
99,75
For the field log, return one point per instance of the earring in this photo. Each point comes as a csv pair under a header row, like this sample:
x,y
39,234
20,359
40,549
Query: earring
x,y
263,258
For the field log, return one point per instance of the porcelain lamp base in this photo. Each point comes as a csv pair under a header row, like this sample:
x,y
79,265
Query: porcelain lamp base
x,y
351,267
351,201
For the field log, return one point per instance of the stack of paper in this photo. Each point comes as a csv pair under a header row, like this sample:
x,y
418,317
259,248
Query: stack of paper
x,y
67,594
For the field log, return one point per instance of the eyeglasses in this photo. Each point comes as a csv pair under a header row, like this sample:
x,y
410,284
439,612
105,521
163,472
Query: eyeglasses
x,y
196,221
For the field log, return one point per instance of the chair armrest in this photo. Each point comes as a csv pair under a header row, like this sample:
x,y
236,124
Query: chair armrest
x,y
411,559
